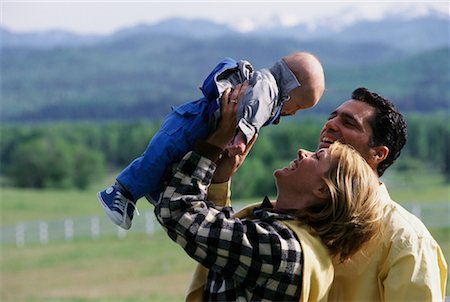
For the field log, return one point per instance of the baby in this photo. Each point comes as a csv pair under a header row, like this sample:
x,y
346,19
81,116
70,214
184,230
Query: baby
x,y
293,83
304,87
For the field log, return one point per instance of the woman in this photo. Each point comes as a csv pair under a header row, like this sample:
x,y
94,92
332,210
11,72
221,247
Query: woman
x,y
326,206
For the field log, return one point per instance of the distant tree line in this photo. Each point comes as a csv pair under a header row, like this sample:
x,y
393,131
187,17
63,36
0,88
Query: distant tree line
x,y
74,155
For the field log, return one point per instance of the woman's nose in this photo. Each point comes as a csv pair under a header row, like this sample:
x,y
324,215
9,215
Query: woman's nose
x,y
301,153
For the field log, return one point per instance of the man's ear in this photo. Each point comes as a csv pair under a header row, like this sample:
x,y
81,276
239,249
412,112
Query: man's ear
x,y
322,192
379,153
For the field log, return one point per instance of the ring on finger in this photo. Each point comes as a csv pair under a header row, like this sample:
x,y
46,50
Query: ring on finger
x,y
234,101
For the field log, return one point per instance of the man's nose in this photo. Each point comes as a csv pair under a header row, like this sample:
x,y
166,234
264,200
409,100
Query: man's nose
x,y
331,124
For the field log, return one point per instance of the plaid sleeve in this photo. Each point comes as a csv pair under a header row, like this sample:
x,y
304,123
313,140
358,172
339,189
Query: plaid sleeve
x,y
246,250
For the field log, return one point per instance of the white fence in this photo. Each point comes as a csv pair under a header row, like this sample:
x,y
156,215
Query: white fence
x,y
435,215
72,228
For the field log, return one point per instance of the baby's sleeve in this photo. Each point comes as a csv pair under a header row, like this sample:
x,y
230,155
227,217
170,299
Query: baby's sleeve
x,y
257,106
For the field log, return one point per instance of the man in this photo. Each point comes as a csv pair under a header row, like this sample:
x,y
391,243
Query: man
x,y
404,263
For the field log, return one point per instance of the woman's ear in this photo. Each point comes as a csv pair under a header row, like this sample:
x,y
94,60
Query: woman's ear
x,y
322,192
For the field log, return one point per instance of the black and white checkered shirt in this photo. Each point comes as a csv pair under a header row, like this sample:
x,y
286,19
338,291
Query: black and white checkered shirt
x,y
258,259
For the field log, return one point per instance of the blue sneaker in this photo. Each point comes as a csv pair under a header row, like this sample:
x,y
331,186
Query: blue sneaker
x,y
117,207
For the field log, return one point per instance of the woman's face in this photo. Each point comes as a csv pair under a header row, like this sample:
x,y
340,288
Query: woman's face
x,y
300,183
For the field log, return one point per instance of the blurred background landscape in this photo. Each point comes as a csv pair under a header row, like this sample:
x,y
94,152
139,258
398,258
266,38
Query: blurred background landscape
x,y
76,108
139,72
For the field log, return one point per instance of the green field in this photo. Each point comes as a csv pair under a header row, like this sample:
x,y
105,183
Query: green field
x,y
136,268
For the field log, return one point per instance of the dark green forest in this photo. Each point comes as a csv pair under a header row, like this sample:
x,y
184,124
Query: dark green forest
x,y
74,155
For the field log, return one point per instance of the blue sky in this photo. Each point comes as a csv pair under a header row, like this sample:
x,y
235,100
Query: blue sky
x,y
103,17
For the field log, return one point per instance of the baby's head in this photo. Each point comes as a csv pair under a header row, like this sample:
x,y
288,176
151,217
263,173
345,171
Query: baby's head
x,y
309,73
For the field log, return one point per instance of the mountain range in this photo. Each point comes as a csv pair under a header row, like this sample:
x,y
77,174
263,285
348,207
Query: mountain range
x,y
393,30
141,71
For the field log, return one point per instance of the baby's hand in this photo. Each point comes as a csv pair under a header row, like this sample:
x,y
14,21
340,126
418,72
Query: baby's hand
x,y
237,145
228,165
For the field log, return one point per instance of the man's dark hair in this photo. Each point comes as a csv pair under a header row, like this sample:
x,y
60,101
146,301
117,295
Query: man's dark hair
x,y
388,125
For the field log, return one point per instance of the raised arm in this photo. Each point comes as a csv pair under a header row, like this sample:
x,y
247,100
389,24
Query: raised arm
x,y
229,246
219,191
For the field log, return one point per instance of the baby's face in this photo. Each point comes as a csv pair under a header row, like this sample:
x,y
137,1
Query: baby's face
x,y
299,99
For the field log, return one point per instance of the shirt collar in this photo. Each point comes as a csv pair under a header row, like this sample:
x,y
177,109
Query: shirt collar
x,y
263,212
285,78
266,204
385,198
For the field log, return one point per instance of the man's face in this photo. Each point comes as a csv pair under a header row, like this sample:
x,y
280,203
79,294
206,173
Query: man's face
x,y
349,124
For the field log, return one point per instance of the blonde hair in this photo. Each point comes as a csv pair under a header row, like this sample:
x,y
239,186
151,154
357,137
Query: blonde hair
x,y
353,215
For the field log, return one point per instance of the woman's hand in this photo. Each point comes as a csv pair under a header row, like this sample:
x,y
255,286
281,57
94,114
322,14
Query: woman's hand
x,y
229,104
228,165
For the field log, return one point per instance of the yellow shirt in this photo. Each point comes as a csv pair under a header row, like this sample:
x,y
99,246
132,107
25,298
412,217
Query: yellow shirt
x,y
317,277
317,265
403,264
